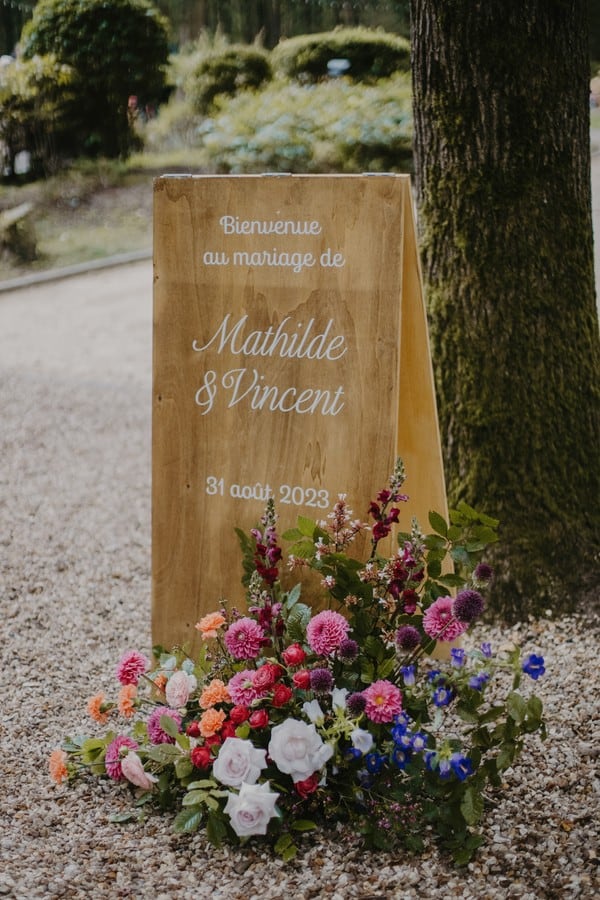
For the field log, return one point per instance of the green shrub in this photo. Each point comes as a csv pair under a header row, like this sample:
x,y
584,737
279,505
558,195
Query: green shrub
x,y
36,102
117,48
372,54
227,71
330,127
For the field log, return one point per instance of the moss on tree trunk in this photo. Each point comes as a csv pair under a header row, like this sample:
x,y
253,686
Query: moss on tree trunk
x,y
501,95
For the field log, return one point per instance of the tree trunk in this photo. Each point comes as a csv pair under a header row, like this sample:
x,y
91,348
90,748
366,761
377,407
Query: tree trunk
x,y
501,100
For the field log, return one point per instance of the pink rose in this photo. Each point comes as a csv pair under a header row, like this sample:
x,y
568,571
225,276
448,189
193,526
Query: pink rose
x,y
294,655
133,770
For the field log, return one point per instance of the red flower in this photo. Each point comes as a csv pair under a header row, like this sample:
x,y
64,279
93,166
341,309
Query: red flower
x,y
281,695
308,786
193,729
266,676
294,655
259,719
239,714
227,729
214,740
201,757
380,531
302,679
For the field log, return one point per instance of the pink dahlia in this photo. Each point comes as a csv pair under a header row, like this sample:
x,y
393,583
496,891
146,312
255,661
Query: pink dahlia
x,y
115,754
383,701
244,639
242,689
326,631
439,621
157,734
131,666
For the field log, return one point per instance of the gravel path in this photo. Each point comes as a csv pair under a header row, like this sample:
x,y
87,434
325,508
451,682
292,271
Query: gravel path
x,y
74,593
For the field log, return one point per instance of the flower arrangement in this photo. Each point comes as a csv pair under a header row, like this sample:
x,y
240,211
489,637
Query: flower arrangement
x,y
291,718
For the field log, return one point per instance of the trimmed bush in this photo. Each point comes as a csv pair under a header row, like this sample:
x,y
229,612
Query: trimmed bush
x,y
372,54
117,48
36,105
225,72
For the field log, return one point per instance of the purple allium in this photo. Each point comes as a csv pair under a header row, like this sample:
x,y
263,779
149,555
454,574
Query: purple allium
x,y
534,666
321,680
156,734
483,573
356,703
407,637
348,650
114,755
468,605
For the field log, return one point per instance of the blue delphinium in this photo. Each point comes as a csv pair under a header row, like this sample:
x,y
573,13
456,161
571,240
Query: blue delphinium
x,y
408,674
461,766
442,696
374,762
400,757
533,666
457,655
478,681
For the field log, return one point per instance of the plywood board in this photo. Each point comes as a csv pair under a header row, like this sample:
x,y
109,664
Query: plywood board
x,y
291,360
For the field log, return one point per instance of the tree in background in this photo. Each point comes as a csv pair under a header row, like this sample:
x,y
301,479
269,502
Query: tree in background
x,y
117,48
501,107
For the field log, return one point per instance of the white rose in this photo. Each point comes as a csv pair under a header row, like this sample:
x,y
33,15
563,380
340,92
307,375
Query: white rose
x,y
133,770
238,761
297,749
251,809
361,740
179,687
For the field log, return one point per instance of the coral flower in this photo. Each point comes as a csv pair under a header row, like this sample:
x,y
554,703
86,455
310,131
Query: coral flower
x,y
58,766
132,666
439,621
209,625
94,708
383,701
126,704
244,639
211,722
213,693
326,631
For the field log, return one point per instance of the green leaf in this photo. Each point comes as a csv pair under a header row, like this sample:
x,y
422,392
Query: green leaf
x,y
438,523
165,754
505,757
215,829
169,726
306,526
183,767
472,805
516,706
451,580
188,819
120,818
194,798
434,568
303,825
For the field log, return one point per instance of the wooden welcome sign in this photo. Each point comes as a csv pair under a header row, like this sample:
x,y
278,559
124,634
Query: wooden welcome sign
x,y
291,360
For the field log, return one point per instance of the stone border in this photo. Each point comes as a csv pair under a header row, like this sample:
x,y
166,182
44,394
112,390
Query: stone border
x,y
78,269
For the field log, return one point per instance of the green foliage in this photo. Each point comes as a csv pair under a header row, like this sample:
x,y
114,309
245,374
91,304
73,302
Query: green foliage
x,y
36,100
372,54
116,48
226,72
331,127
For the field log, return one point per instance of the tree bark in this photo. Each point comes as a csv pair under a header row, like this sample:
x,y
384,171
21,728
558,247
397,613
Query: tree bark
x,y
501,108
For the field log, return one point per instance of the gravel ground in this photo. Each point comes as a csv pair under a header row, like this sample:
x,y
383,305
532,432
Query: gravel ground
x,y
75,592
